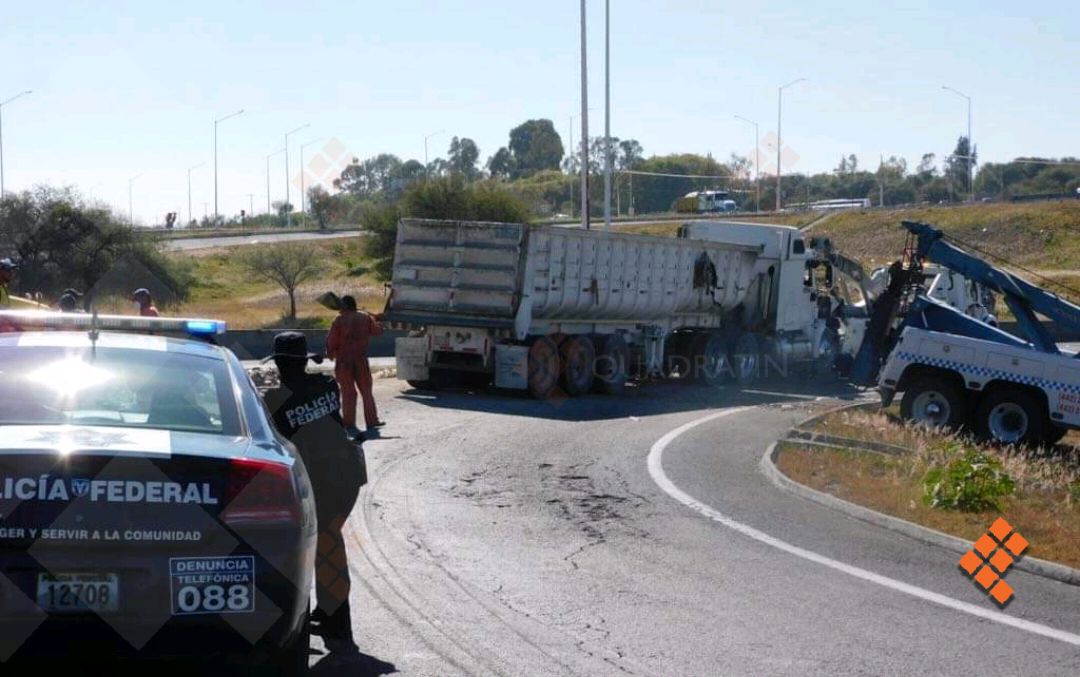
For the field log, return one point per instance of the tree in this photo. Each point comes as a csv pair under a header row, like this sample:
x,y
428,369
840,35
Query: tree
x,y
957,165
63,242
501,165
630,154
462,157
372,177
286,265
445,198
320,203
535,146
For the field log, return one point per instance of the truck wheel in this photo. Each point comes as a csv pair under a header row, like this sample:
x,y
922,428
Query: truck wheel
x,y
1011,417
933,402
746,358
709,360
578,359
543,368
612,364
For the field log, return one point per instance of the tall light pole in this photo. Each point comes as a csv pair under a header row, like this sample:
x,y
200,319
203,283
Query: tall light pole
x,y
779,144
303,193
2,104
269,209
971,144
218,121
431,135
757,163
131,201
607,114
190,215
584,123
288,214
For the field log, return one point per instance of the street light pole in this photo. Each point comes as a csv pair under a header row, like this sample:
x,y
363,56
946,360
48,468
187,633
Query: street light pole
x,y
269,209
303,193
971,143
779,144
757,163
216,123
433,134
288,207
2,104
191,216
584,123
607,114
131,202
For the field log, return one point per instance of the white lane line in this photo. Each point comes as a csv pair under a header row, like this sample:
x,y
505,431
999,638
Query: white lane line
x,y
656,469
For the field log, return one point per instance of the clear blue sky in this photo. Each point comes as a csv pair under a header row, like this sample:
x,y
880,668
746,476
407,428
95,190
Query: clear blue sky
x,y
123,89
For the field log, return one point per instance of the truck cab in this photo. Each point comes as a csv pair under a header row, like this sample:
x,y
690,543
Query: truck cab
x,y
801,310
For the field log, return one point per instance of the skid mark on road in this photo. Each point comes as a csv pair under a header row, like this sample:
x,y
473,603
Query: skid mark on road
x,y
656,470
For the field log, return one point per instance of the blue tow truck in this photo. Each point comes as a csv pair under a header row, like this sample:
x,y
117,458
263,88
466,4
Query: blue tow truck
x,y
955,371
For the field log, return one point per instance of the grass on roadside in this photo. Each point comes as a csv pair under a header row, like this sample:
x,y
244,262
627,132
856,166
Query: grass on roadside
x,y
1045,506
224,289
1042,235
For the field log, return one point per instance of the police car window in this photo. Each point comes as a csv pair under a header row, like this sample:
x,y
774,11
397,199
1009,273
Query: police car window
x,y
129,388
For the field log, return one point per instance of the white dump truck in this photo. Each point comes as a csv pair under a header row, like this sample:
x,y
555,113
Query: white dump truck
x,y
540,308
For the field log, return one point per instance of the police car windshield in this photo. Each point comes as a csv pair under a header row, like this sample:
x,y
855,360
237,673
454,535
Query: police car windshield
x,y
116,387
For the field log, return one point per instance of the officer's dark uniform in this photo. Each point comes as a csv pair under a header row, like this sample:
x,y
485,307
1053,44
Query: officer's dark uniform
x,y
305,409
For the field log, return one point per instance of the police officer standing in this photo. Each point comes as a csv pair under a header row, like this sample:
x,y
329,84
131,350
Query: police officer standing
x,y
305,409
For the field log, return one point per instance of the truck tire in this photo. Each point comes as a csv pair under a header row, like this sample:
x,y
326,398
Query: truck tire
x,y
578,363
934,402
1012,416
612,364
746,358
709,360
543,365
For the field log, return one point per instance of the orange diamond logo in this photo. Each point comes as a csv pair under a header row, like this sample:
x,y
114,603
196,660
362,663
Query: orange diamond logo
x,y
992,555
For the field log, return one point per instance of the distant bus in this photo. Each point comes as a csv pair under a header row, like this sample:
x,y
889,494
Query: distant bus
x,y
705,201
828,205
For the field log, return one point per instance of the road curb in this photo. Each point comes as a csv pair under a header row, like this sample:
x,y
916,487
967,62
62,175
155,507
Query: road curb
x,y
1032,565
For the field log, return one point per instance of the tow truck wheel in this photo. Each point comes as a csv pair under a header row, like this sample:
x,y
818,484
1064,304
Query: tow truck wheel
x,y
578,361
612,364
1012,417
543,366
935,403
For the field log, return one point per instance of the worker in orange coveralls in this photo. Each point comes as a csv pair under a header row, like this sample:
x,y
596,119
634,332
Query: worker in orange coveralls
x,y
347,345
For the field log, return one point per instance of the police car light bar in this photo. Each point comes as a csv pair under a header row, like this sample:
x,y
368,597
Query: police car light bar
x,y
30,320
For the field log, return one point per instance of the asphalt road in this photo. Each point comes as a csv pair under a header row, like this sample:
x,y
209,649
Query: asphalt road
x,y
189,244
505,536
194,243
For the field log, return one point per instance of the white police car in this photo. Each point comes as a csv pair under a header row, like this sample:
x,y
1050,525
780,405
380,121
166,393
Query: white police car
x,y
147,506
